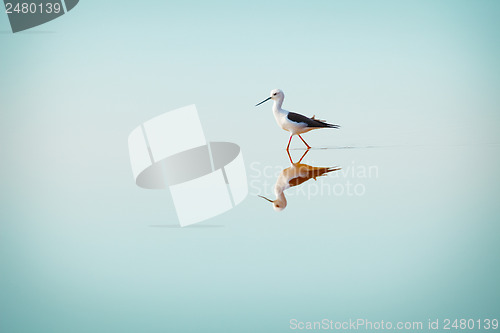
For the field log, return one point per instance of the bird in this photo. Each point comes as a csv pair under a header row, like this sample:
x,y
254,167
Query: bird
x,y
295,175
292,122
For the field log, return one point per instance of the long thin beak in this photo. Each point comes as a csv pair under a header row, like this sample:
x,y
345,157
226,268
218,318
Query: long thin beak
x,y
265,197
263,101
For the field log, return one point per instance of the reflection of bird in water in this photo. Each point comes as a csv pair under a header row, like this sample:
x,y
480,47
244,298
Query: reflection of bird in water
x,y
292,122
296,174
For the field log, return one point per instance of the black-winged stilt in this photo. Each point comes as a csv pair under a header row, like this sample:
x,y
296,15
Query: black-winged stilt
x,y
292,122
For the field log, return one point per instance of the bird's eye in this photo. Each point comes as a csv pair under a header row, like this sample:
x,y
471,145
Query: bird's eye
x,y
275,94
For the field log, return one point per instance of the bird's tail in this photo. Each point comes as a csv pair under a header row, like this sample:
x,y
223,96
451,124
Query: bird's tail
x,y
324,123
318,172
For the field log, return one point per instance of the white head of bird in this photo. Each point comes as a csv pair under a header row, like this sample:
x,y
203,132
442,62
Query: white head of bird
x,y
276,95
279,204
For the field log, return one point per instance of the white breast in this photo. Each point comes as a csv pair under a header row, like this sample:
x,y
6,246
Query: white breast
x,y
281,119
287,124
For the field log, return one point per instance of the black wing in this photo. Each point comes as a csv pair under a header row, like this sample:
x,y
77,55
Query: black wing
x,y
298,180
298,118
311,174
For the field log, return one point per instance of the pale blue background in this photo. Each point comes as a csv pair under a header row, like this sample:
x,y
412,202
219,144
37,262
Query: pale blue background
x,y
82,248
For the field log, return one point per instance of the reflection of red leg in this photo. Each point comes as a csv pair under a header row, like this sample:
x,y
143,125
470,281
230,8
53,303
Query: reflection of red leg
x,y
289,142
304,142
305,153
289,157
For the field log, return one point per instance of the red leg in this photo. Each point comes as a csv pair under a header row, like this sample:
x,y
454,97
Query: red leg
x,y
304,142
289,142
